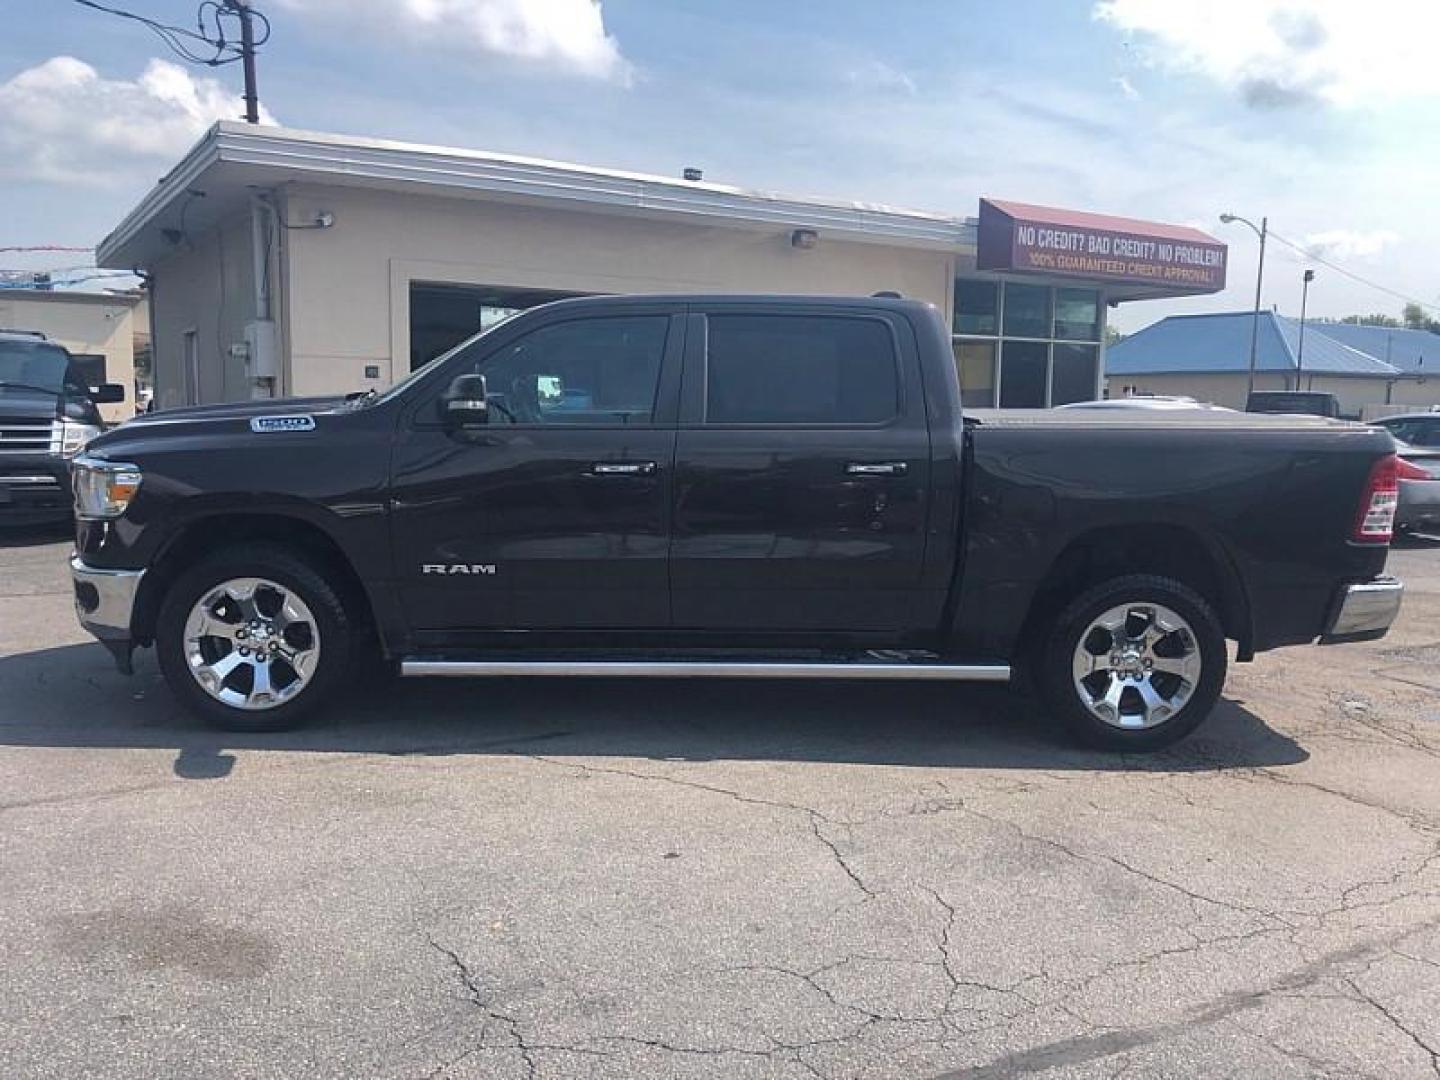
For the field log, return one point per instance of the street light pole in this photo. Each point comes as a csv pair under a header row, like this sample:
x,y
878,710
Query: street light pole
x,y
1308,277
1261,232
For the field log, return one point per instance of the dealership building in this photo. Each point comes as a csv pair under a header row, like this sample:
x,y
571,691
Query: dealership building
x,y
285,262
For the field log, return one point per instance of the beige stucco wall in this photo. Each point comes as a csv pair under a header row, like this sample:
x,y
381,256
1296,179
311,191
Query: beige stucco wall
x,y
206,285
1225,389
348,287
1358,396
88,324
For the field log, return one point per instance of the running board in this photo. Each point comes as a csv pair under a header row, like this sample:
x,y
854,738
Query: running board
x,y
706,669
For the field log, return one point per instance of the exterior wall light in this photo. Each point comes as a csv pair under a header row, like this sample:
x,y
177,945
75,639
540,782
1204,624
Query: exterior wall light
x,y
804,239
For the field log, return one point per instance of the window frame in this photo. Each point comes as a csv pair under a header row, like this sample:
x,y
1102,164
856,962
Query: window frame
x,y
1000,338
471,356
701,364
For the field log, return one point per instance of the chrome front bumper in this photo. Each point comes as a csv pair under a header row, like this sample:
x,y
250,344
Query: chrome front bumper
x,y
1364,611
105,599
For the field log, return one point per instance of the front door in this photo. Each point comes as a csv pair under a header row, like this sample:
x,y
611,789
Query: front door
x,y
556,513
802,473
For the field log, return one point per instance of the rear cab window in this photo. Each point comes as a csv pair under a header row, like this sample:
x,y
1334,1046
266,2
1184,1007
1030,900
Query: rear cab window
x,y
782,369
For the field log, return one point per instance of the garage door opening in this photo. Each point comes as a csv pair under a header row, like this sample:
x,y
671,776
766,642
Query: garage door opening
x,y
442,316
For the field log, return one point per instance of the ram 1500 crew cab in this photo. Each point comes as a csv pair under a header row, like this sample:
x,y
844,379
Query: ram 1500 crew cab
x,y
744,487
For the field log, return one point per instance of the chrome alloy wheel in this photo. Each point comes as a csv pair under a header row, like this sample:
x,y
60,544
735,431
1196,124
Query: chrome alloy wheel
x,y
251,643
1137,665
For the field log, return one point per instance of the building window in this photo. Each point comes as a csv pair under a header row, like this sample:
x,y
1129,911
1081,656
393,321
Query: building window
x,y
1027,311
976,363
1022,374
977,307
1073,373
1077,315
1025,346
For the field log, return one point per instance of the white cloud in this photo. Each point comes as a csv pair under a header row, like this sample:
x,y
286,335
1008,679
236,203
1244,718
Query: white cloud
x,y
1349,244
876,75
1126,87
1276,53
61,122
568,35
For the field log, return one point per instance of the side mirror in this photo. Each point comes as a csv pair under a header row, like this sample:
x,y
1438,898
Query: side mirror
x,y
465,403
108,394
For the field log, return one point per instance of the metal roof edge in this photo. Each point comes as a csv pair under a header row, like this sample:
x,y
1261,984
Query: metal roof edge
x,y
197,159
325,156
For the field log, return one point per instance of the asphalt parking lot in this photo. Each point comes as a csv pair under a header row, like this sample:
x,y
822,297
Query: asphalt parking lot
x,y
730,880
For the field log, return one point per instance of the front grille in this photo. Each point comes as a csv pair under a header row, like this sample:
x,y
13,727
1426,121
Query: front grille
x,y
29,437
30,482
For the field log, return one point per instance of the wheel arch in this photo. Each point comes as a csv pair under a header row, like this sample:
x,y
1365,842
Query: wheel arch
x,y
203,535
1184,554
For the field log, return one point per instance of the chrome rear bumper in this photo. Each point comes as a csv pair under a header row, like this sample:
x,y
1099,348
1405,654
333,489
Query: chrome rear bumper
x,y
1364,611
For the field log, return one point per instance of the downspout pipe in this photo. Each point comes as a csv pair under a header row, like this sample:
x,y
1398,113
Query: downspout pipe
x,y
261,339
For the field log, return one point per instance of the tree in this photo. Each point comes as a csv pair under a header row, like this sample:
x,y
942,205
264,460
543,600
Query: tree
x,y
1416,319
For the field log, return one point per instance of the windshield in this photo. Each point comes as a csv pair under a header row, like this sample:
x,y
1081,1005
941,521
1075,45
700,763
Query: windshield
x,y
38,365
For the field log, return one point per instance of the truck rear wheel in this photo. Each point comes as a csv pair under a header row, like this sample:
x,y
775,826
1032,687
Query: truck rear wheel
x,y
253,638
1134,664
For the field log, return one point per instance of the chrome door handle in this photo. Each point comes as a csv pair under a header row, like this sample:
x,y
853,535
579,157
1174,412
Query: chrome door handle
x,y
623,468
876,468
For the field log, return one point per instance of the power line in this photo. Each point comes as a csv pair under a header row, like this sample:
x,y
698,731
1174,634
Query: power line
x,y
222,48
1351,274
176,37
45,247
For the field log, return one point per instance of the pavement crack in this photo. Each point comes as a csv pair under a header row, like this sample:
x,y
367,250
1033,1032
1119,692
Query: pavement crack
x,y
815,817
481,1001
1395,1022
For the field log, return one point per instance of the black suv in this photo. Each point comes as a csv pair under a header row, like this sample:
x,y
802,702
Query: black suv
x,y
47,415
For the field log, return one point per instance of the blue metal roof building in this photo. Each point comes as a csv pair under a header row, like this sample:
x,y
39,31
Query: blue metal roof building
x,y
1416,352
1220,342
1371,369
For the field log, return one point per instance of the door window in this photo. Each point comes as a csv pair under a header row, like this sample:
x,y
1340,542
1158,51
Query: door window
x,y
591,372
800,369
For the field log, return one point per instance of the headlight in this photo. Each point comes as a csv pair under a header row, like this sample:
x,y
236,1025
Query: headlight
x,y
103,489
73,436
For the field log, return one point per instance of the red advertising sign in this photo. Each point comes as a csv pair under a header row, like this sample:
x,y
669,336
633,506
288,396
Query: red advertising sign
x,y
1070,243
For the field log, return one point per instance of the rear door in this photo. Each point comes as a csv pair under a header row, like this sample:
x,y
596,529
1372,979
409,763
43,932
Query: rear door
x,y
802,472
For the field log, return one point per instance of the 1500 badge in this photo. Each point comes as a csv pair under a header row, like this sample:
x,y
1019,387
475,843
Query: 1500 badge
x,y
270,424
457,568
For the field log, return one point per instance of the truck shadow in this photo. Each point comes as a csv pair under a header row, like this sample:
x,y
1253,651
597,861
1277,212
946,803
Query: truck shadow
x,y
23,536
72,697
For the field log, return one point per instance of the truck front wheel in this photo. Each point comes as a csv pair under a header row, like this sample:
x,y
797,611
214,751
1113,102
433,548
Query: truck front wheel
x,y
253,638
1134,664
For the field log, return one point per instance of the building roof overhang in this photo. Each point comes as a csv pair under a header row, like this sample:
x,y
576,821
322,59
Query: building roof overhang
x,y
233,160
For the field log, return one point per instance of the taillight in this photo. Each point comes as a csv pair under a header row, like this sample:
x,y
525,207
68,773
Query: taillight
x,y
1375,523
1405,470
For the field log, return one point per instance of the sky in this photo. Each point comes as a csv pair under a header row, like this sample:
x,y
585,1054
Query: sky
x,y
1320,115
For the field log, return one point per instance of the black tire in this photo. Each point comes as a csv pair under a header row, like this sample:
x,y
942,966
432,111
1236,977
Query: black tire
x,y
1056,681
287,569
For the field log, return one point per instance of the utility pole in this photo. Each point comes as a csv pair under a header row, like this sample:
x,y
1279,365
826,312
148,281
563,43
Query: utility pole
x,y
1259,282
1308,277
247,57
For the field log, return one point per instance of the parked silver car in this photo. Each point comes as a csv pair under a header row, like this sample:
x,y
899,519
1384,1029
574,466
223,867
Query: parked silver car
x,y
1417,441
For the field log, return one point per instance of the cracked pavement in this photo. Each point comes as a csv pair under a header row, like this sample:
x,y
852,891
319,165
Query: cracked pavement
x,y
603,879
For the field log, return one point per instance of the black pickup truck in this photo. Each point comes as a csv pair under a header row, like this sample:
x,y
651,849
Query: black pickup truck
x,y
742,487
47,415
